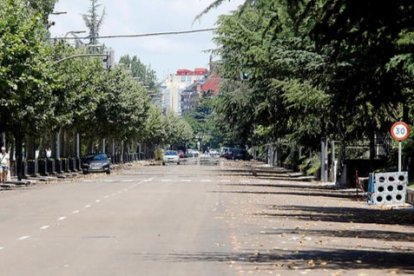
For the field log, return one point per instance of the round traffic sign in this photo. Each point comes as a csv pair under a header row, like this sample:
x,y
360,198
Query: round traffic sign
x,y
400,131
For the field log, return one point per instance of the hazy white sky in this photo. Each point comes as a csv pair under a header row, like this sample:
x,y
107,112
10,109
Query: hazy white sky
x,y
165,54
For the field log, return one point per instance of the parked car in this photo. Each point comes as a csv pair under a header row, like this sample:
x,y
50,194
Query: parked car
x,y
171,156
228,153
181,154
192,153
223,151
238,154
241,154
99,162
214,153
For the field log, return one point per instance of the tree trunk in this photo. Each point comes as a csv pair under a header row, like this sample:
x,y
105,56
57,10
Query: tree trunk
x,y
18,136
371,150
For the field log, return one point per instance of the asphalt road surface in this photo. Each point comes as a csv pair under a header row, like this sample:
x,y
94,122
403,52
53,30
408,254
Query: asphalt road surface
x,y
200,218
157,220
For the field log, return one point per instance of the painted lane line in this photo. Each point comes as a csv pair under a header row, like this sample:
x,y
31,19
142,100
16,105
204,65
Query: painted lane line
x,y
44,227
98,201
76,212
106,197
61,218
225,181
22,238
206,180
1,248
88,206
187,180
108,181
128,180
87,181
166,180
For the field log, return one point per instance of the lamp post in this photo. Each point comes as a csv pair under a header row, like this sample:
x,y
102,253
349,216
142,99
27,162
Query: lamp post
x,y
74,33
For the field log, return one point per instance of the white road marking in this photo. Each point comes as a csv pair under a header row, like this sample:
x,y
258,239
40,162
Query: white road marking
x,y
187,180
106,197
44,227
127,180
23,238
206,180
88,206
76,212
108,181
87,181
1,248
166,180
225,181
97,201
61,218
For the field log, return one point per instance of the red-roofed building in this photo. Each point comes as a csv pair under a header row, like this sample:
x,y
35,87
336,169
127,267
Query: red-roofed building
x,y
211,84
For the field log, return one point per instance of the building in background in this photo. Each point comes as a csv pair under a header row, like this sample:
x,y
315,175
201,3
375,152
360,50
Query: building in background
x,y
173,86
181,92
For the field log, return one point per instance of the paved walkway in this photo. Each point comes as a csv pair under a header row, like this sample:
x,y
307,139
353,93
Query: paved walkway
x,y
283,227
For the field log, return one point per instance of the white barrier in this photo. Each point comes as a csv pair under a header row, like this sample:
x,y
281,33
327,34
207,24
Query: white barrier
x,y
388,188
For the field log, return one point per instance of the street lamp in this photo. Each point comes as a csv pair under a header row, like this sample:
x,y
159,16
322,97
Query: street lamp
x,y
74,33
59,13
52,23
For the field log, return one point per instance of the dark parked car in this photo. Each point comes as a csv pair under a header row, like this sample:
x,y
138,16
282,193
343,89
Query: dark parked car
x,y
238,154
99,162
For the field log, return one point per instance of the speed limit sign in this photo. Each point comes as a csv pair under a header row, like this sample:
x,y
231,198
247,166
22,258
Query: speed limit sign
x,y
400,131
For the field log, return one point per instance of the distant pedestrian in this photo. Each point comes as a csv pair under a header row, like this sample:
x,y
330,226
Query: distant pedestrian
x,y
4,164
48,153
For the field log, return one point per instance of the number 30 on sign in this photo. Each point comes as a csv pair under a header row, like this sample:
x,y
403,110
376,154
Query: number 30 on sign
x,y
400,131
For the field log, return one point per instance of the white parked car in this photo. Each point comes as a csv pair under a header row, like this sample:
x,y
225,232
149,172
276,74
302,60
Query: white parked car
x,y
171,156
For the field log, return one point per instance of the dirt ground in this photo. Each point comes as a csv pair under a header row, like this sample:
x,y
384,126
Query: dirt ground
x,y
290,227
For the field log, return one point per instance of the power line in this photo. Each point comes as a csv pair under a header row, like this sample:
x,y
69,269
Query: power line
x,y
144,35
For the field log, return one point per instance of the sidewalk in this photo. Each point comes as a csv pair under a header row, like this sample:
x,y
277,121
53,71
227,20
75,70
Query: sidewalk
x,y
291,227
14,183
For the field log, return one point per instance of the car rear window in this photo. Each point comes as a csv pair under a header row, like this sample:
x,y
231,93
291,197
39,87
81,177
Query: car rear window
x,y
98,157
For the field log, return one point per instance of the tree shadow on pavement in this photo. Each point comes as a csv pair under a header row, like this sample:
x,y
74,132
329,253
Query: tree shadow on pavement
x,y
341,259
305,193
360,234
343,214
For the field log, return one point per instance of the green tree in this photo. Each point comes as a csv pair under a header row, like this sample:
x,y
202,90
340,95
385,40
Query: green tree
x,y
94,21
123,108
44,7
142,73
26,75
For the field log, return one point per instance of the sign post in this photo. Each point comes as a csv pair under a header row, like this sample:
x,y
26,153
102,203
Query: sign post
x,y
400,131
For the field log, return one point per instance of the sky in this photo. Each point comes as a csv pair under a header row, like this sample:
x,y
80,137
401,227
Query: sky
x,y
165,54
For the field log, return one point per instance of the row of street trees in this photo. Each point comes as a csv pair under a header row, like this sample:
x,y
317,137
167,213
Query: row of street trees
x,y
46,99
301,71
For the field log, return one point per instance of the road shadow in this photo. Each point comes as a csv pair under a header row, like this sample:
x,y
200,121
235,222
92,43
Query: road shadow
x,y
361,234
343,214
292,185
341,259
294,193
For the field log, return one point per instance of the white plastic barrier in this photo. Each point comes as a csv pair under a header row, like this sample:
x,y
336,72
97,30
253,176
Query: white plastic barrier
x,y
387,188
